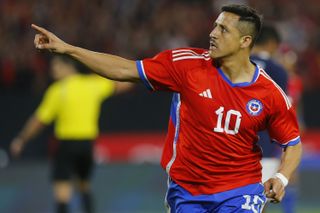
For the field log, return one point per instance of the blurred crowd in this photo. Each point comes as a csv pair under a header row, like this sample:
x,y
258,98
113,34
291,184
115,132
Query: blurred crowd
x,y
141,28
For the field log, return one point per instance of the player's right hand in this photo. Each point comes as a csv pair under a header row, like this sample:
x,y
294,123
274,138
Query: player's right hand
x,y
46,40
16,147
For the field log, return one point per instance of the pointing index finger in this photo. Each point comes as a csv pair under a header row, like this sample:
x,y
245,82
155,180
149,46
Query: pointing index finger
x,y
40,29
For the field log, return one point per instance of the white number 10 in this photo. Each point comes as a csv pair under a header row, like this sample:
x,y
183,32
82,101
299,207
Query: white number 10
x,y
226,128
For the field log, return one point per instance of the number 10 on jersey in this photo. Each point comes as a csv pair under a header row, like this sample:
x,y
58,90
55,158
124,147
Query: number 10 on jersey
x,y
227,118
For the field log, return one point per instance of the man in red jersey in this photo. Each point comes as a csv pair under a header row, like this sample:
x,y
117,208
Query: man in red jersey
x,y
221,100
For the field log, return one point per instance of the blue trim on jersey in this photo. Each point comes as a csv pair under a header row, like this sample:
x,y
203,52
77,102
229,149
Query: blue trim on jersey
x,y
143,75
177,105
291,143
175,117
173,110
243,84
249,198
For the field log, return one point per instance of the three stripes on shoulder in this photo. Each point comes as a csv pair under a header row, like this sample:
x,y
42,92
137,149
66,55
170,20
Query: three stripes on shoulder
x,y
183,54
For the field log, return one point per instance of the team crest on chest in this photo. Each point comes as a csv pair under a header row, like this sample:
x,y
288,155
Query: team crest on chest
x,y
254,107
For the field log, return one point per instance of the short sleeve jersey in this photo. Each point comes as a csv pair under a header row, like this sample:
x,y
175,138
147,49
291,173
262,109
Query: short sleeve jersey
x,y
74,104
211,145
280,76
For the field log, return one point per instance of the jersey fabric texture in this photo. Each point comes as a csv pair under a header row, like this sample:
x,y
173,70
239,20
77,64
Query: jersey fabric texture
x,y
211,145
280,76
74,103
244,199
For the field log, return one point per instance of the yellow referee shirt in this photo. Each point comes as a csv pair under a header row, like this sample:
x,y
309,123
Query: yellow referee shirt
x,y
74,104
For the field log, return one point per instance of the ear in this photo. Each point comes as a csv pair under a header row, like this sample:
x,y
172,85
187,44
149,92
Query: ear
x,y
245,41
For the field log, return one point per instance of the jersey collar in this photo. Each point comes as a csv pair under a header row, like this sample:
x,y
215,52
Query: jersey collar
x,y
242,84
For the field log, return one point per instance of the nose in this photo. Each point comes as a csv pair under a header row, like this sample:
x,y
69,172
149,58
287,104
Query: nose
x,y
213,33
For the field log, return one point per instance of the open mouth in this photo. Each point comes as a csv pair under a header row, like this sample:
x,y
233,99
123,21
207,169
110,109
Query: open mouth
x,y
213,45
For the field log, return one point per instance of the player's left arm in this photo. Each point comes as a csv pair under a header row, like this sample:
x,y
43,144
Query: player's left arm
x,y
290,159
283,129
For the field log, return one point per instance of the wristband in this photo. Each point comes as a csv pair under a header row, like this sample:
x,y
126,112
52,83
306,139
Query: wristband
x,y
283,179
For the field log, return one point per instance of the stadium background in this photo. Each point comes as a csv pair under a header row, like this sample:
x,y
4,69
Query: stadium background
x,y
128,177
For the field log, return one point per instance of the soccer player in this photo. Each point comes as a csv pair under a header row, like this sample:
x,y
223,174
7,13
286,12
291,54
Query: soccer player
x,y
73,102
220,101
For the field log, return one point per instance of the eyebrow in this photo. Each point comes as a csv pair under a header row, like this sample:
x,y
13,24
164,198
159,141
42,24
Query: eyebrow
x,y
221,25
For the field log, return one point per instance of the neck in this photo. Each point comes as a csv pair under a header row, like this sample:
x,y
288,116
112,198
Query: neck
x,y
238,68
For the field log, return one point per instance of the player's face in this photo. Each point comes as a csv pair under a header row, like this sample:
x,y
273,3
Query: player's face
x,y
225,37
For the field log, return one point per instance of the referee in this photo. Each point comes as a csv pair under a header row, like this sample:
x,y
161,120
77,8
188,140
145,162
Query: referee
x,y
73,103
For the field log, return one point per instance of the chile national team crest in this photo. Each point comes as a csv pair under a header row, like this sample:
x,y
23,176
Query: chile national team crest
x,y
254,107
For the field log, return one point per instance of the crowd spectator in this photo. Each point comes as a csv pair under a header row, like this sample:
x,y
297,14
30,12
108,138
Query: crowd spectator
x,y
132,28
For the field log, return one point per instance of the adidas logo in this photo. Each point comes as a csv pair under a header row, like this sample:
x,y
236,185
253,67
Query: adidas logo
x,y
206,94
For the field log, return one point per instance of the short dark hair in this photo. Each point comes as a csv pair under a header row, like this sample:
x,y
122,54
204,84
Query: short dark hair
x,y
267,33
249,15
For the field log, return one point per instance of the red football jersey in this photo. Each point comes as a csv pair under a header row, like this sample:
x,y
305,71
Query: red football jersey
x,y
212,134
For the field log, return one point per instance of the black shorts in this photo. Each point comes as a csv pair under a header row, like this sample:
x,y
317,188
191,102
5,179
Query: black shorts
x,y
74,158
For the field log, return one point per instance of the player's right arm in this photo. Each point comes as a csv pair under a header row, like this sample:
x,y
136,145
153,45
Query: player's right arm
x,y
107,65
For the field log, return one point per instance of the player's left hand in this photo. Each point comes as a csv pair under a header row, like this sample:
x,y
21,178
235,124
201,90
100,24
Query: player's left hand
x,y
274,189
